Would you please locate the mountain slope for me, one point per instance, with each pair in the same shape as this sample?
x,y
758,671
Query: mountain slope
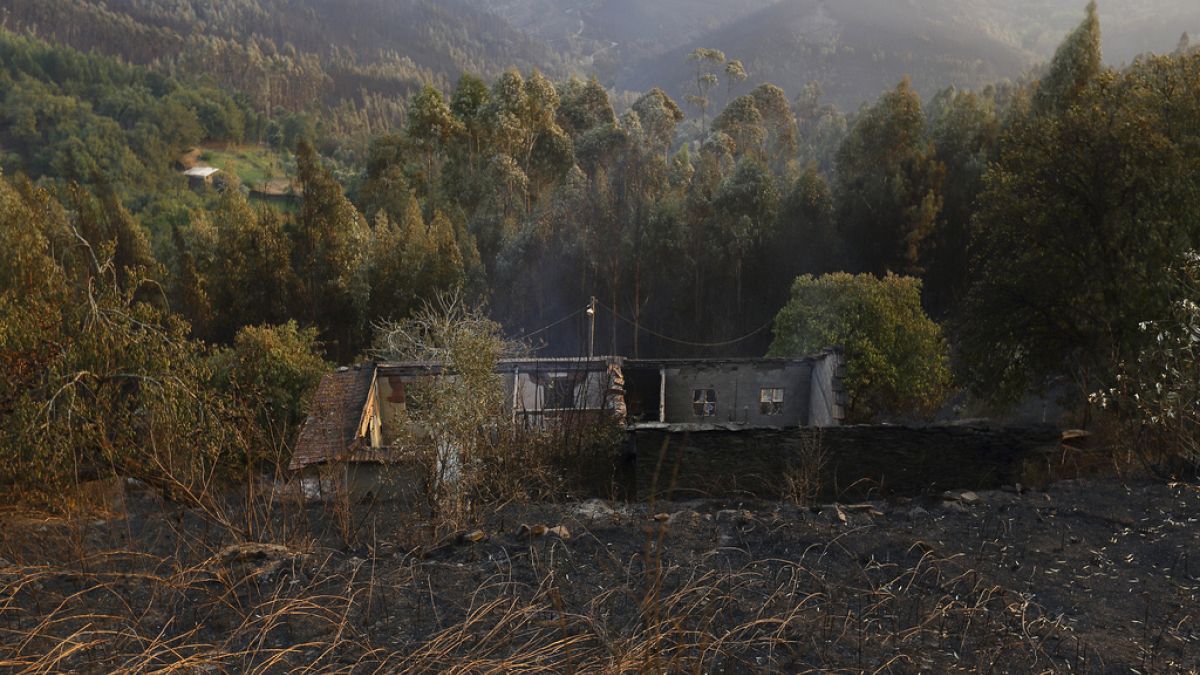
x,y
857,48
853,48
325,48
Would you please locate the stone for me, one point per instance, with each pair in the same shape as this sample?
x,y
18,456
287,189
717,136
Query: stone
x,y
957,507
475,537
917,513
595,509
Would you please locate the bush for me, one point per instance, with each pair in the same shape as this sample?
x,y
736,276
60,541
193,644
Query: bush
x,y
1157,397
271,371
896,357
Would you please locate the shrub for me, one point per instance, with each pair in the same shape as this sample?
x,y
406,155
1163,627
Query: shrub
x,y
1158,395
896,357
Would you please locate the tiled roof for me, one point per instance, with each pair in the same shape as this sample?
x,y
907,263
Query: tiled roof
x,y
332,423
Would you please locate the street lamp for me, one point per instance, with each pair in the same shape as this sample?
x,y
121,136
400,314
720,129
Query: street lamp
x,y
591,312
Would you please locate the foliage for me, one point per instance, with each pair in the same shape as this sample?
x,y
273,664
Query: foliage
x,y
458,416
1090,199
889,185
102,381
1159,391
897,361
272,370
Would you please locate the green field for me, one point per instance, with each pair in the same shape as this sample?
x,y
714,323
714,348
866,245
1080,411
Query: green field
x,y
252,164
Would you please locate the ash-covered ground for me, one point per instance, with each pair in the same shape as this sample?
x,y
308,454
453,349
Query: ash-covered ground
x,y
1089,576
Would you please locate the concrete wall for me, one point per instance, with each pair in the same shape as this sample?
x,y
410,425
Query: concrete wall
x,y
588,388
737,387
825,394
857,461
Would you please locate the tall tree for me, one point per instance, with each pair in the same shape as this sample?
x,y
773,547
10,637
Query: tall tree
x,y
1092,196
705,61
331,248
889,185
964,130
1076,64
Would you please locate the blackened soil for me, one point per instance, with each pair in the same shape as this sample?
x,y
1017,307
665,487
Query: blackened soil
x,y
1090,576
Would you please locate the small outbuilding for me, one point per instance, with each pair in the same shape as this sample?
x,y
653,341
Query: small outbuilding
x,y
201,176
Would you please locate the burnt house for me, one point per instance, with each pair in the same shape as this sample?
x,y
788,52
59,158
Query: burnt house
x,y
735,393
359,415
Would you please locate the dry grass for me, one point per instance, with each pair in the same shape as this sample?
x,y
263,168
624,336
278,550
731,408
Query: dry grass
x,y
255,583
297,606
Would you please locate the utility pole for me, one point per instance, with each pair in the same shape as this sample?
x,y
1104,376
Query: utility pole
x,y
591,312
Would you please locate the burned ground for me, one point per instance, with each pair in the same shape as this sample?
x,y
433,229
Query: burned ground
x,y
1092,576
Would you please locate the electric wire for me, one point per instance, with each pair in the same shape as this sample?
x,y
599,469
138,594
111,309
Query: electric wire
x,y
561,321
688,343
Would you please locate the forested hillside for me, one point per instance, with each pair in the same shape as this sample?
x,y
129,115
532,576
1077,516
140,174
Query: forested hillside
x,y
354,61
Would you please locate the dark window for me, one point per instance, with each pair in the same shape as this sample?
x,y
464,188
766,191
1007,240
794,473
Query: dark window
x,y
704,402
558,394
770,401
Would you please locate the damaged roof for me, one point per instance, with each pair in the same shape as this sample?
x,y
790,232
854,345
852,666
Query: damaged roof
x,y
337,409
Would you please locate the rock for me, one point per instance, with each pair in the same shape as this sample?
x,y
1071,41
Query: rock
x,y
917,513
261,561
964,496
688,516
956,506
531,530
739,516
868,509
475,537
594,509
662,517
559,531
841,515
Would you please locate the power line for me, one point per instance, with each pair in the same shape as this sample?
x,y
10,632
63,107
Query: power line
x,y
688,343
561,321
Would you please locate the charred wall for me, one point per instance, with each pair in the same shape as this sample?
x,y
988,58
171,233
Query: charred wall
x,y
856,462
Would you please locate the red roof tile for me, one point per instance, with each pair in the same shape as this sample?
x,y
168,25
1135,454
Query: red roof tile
x,y
332,424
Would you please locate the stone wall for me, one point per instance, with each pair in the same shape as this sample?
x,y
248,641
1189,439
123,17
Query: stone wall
x,y
855,462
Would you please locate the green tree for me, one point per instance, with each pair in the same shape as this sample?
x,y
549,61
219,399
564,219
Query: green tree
x,y
332,243
249,279
897,361
746,204
1076,64
705,61
1082,214
964,130
431,126
272,371
888,185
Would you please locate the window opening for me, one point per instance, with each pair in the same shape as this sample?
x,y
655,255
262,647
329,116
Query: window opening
x,y
770,402
704,402
558,393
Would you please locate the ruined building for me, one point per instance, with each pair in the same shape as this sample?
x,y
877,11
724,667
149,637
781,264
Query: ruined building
x,y
357,413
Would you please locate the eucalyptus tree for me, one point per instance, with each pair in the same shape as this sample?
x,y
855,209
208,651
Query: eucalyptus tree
x,y
1090,200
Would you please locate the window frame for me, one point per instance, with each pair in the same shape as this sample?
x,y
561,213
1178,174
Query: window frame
x,y
771,401
704,402
552,384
